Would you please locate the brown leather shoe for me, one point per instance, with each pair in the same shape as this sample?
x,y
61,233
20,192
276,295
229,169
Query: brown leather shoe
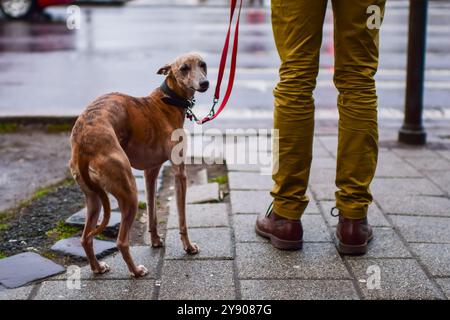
x,y
284,234
353,236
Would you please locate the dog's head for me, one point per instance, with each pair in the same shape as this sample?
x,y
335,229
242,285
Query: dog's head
x,y
188,72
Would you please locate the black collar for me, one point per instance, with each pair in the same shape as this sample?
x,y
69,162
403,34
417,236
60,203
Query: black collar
x,y
172,98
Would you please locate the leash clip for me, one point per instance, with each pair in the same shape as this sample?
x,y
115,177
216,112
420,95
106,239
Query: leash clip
x,y
212,111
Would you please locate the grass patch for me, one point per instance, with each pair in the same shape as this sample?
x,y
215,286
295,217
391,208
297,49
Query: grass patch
x,y
9,214
68,182
5,216
55,128
2,255
142,205
220,179
100,237
62,231
49,255
41,192
8,127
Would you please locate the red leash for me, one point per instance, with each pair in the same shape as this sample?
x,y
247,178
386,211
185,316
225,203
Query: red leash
x,y
223,60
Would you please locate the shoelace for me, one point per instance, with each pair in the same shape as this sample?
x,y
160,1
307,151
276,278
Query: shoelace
x,y
269,209
334,214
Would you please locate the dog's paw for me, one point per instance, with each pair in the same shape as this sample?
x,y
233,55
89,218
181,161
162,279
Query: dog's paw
x,y
192,249
140,271
157,243
102,268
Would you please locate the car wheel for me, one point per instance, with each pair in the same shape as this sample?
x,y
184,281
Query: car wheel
x,y
17,9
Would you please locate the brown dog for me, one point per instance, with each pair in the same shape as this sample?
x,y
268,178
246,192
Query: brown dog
x,y
117,132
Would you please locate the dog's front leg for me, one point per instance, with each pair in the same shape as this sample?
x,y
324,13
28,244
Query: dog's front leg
x,y
180,189
151,176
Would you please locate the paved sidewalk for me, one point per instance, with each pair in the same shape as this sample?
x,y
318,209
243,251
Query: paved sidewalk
x,y
410,251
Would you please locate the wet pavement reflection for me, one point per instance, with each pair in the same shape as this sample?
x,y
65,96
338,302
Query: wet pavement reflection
x,y
47,69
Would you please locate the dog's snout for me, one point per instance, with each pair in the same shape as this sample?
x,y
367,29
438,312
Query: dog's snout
x,y
204,84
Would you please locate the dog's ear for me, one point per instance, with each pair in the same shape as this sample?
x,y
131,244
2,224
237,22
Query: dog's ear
x,y
164,70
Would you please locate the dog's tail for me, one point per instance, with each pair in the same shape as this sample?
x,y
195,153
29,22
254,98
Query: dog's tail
x,y
83,166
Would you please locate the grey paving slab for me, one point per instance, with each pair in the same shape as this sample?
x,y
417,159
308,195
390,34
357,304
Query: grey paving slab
x,y
142,255
201,215
249,181
137,173
374,215
22,268
324,191
319,151
435,163
404,186
21,293
249,201
445,286
415,205
298,290
214,243
435,256
132,289
244,228
385,244
444,153
324,163
203,193
142,197
244,167
399,279
314,229
192,280
322,176
199,177
79,219
423,229
140,183
314,261
329,143
72,247
441,178
258,202
415,152
113,203
390,165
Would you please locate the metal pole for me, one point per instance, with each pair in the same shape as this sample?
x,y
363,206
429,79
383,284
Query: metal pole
x,y
412,131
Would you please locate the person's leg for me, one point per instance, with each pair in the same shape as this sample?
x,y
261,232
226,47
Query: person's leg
x,y
297,27
356,62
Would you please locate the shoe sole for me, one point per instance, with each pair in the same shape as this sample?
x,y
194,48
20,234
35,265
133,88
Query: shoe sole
x,y
353,250
280,243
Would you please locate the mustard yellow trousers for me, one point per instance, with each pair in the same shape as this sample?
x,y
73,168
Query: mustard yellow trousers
x,y
297,27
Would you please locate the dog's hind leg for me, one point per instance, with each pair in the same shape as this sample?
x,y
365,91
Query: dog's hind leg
x,y
180,189
122,186
93,204
151,176
128,206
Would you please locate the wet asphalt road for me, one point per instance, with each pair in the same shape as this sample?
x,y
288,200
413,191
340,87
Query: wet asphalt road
x,y
46,69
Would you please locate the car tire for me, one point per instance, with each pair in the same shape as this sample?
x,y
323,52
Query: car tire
x,y
17,9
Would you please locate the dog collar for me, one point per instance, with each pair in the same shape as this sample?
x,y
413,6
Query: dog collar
x,y
174,99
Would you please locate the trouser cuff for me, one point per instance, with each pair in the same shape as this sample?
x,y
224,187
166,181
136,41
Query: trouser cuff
x,y
289,213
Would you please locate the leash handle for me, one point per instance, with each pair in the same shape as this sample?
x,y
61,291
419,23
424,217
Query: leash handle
x,y
223,60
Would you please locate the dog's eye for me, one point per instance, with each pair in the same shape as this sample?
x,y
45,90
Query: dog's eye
x,y
202,65
184,68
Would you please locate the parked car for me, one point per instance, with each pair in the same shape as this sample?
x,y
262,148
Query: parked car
x,y
20,9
